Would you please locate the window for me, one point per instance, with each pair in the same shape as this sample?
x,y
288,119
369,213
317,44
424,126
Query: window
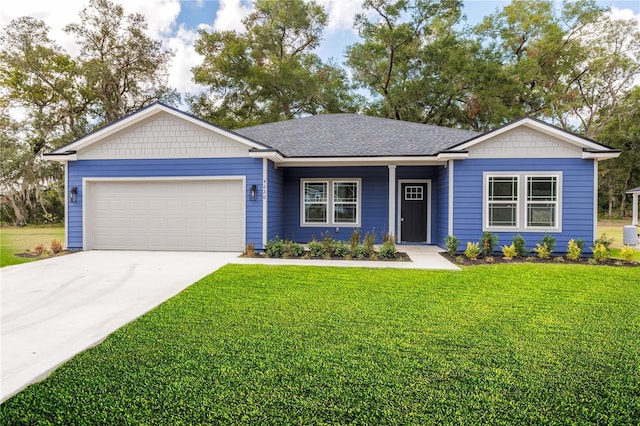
x,y
414,193
522,201
331,202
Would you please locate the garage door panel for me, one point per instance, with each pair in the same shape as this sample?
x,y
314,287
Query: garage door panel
x,y
173,215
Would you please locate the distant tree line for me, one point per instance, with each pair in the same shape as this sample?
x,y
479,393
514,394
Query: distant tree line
x,y
417,60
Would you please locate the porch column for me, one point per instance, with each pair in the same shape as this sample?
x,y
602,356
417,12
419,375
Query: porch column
x,y
392,200
265,207
634,221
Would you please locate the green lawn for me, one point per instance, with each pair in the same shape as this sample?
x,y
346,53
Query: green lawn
x,y
495,344
17,240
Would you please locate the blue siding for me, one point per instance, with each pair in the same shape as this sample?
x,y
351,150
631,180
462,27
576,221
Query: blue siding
x,y
249,167
375,202
442,213
275,187
577,198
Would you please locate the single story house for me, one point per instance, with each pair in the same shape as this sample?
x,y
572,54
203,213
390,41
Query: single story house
x,y
161,179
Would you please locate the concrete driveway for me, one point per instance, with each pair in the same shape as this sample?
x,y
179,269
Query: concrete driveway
x,y
55,308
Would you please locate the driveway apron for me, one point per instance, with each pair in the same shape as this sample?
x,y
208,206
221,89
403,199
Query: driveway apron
x,y
55,308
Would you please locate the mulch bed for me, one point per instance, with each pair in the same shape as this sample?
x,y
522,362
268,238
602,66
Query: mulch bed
x,y
400,257
461,259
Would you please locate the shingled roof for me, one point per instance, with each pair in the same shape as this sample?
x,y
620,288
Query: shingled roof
x,y
353,135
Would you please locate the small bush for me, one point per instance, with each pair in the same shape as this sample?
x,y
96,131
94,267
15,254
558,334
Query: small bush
x,y
542,250
354,240
388,236
452,244
275,247
519,244
316,249
362,251
573,250
341,248
387,250
600,252
56,246
250,250
38,249
604,240
549,241
487,242
472,251
509,252
294,249
627,253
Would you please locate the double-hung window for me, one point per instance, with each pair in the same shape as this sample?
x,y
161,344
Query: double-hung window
x,y
522,201
334,202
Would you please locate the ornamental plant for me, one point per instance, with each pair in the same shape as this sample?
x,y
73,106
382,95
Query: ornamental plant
x,y
627,253
341,248
573,250
518,243
543,251
487,242
387,250
276,247
452,244
600,252
509,252
472,251
316,248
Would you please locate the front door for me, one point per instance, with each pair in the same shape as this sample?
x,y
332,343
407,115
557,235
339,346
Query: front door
x,y
413,212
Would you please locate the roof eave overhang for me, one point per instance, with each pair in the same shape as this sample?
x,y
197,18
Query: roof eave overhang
x,y
600,154
61,157
426,160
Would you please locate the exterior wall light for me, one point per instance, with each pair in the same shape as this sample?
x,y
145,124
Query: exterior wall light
x,y
73,194
253,192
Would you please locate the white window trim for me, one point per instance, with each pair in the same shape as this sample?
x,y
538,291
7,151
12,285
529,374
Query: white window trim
x,y
522,203
330,203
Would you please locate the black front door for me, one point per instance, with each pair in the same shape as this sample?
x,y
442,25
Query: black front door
x,y
413,212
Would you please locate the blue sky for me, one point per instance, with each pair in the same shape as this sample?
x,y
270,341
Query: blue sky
x,y
176,23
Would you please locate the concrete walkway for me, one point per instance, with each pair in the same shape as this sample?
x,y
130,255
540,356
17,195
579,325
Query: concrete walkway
x,y
55,308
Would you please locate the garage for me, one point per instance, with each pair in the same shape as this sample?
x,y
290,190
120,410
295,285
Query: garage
x,y
204,214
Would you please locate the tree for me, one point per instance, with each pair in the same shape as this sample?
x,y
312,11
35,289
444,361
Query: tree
x,y
123,68
409,57
39,84
269,72
621,130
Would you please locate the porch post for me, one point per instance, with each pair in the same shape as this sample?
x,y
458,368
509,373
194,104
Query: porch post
x,y
265,201
392,200
635,209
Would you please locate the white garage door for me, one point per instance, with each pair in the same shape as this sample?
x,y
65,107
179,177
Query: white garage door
x,y
205,215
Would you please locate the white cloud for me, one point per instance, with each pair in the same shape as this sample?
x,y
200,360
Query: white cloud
x,y
230,14
180,76
341,13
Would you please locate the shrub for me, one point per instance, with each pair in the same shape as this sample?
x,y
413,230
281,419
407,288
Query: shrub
x,y
294,249
354,240
38,249
518,243
600,252
362,251
574,250
604,240
472,251
275,247
369,240
388,236
316,249
452,244
341,248
250,250
487,242
549,241
627,253
56,246
327,244
387,250
509,252
543,251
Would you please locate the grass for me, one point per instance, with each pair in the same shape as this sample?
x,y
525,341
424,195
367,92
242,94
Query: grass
x,y
495,344
18,240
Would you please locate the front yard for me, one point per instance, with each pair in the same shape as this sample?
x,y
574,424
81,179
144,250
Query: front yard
x,y
495,344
